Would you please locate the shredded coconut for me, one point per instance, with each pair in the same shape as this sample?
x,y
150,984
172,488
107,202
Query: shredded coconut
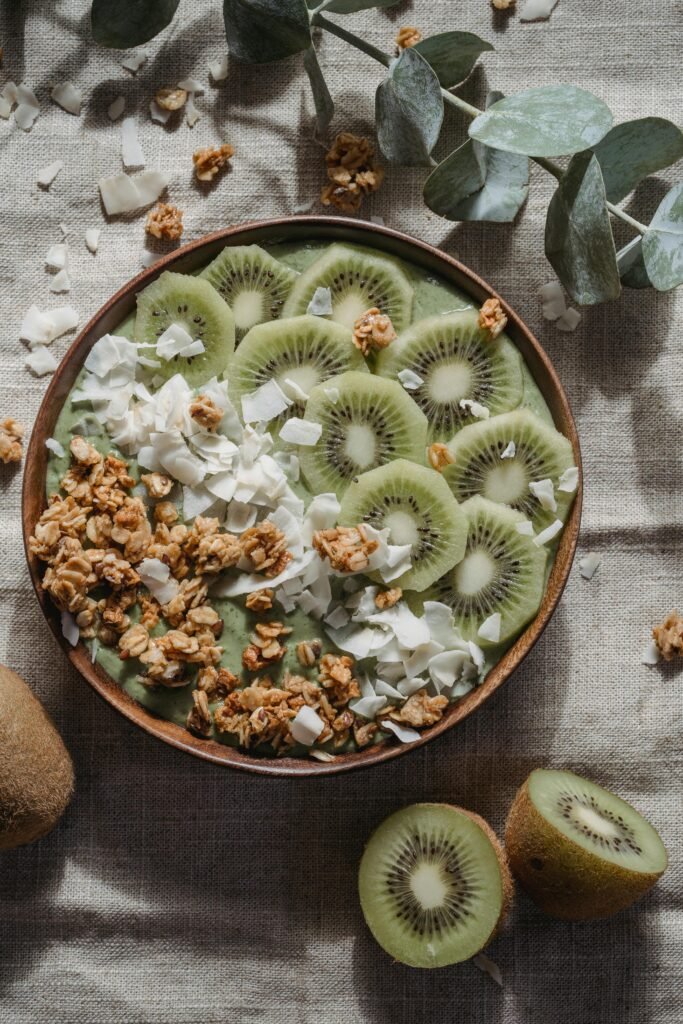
x,y
548,534
70,630
537,10
526,528
69,97
158,113
61,282
588,565
490,628
218,69
569,480
298,431
53,445
510,451
115,109
321,303
131,150
121,194
404,734
56,256
41,361
476,408
650,653
481,960
48,174
265,403
306,726
409,379
92,239
545,492
569,320
135,61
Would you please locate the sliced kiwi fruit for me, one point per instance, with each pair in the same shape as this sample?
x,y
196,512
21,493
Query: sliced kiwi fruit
x,y
541,453
418,507
578,850
434,885
305,350
197,307
253,283
358,280
456,360
502,571
366,422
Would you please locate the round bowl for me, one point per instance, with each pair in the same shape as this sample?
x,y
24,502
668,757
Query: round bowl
x,y
188,258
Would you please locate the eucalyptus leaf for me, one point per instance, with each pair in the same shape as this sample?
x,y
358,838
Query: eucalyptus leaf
x,y
578,236
409,110
452,55
123,23
353,6
635,149
261,31
324,104
552,120
632,266
663,242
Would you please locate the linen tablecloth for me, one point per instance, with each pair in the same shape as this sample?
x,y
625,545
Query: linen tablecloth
x,y
175,892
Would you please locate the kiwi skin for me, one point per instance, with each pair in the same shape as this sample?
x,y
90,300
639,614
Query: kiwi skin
x,y
36,771
562,878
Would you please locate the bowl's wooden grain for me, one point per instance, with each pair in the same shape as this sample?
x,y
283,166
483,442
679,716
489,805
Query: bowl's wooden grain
x,y
186,259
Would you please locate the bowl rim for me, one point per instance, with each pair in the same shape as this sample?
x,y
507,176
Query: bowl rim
x,y
296,228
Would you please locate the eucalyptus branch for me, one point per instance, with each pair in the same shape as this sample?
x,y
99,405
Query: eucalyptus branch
x,y
320,21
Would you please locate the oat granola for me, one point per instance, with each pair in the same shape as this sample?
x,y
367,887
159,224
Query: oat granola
x,y
353,172
199,718
420,710
492,318
669,636
205,412
265,547
169,98
348,548
388,598
11,434
165,222
408,36
260,600
373,331
440,456
210,160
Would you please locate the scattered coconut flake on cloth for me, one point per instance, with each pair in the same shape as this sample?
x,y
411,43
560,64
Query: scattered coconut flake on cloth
x,y
131,150
158,113
321,303
116,108
27,108
69,97
92,239
53,445
192,115
57,255
135,61
298,431
121,194
488,967
650,653
41,361
552,299
588,565
42,328
61,282
409,379
48,174
537,10
569,320
476,408
218,69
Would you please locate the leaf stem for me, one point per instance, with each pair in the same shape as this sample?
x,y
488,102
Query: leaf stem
x,y
348,37
616,212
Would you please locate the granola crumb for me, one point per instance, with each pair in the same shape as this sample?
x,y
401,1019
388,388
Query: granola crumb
x,y
388,598
347,548
353,172
133,642
169,98
669,636
308,652
420,710
210,160
11,433
373,330
408,36
165,222
157,485
503,5
265,546
217,683
265,647
199,718
336,676
440,456
492,318
260,600
205,412
165,513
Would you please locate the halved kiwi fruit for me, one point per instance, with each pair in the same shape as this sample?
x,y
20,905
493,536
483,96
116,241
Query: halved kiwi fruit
x,y
456,359
253,283
198,308
305,350
578,850
434,885
358,279
366,422
541,452
418,508
501,571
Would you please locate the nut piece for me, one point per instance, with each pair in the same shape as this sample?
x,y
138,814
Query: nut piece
x,y
353,171
199,718
209,161
420,709
171,99
348,548
388,598
205,412
11,433
669,636
492,317
440,456
373,330
260,600
408,36
265,545
165,221
308,652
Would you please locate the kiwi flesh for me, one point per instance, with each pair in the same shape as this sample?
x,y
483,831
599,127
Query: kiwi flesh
x,y
305,350
434,885
36,772
197,307
366,422
358,280
253,283
456,360
541,453
418,508
578,850
501,571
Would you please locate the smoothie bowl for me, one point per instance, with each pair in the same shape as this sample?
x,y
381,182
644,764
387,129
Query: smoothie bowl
x,y
301,496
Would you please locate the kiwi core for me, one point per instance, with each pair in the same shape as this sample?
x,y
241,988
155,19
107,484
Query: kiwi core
x,y
304,376
506,484
247,308
476,571
450,382
348,308
428,885
361,446
402,527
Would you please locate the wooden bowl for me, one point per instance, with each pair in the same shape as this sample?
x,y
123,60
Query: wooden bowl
x,y
188,258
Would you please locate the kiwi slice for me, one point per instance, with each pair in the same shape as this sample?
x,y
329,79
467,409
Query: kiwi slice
x,y
455,360
434,885
541,453
253,283
419,509
502,571
579,850
198,308
366,422
305,350
358,279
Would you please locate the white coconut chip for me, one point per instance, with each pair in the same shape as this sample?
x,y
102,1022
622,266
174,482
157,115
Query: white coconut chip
x,y
588,565
48,174
306,726
94,650
384,689
190,84
400,731
321,303
526,528
510,451
53,445
131,151
407,687
156,576
56,256
298,431
293,391
409,379
148,259
61,282
488,967
553,301
41,361
5,108
70,630
158,113
569,480
121,194
265,403
446,667
569,320
322,755
27,109
69,97
218,69
490,628
175,341
135,61
192,115
545,492
36,327
548,534
477,654
115,109
338,617
92,239
240,517
537,10
475,408
650,654
368,707
376,219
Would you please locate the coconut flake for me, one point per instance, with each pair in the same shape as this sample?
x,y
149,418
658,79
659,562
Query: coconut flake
x,y
70,630
333,394
526,528
218,69
135,61
41,361
115,109
588,565
569,480
321,303
191,85
306,726
475,408
485,964
368,707
545,492
94,650
477,654
37,327
552,298
92,239
56,256
28,106
158,113
404,735
322,755
48,174
298,431
61,282
192,115
569,320
447,666
338,617
5,108
69,97
650,653
156,576
537,10
53,445
131,150
293,391
548,534
265,403
490,628
409,379
384,689
376,219
175,341
121,194
510,451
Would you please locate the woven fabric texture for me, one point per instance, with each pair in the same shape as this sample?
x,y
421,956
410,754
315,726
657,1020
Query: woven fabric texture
x,y
174,892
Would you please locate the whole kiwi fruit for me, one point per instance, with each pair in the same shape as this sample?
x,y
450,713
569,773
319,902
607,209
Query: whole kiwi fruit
x,y
36,771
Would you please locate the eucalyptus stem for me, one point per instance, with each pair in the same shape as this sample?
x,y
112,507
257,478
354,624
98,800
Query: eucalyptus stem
x,y
348,37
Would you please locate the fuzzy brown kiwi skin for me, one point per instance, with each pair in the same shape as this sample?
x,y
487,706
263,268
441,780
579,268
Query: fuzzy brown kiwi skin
x,y
36,771
562,878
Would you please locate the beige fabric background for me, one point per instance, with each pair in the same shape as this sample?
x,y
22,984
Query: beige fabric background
x,y
177,892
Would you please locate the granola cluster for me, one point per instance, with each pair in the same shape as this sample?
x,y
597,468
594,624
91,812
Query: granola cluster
x,y
440,456
165,222
265,547
348,548
265,647
205,412
408,36
373,330
210,160
419,710
492,318
669,636
11,433
353,172
388,598
169,98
